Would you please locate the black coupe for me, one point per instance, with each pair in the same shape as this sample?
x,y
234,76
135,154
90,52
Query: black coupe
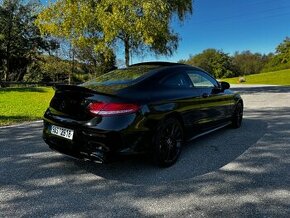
x,y
147,107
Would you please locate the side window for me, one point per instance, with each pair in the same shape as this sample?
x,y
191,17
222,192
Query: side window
x,y
201,80
176,80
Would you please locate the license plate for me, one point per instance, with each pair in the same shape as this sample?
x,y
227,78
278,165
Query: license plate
x,y
62,132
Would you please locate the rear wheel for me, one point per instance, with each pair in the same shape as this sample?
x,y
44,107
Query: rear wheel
x,y
237,116
168,142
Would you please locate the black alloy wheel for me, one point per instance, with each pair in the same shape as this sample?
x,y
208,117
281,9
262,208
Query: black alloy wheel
x,y
237,116
168,142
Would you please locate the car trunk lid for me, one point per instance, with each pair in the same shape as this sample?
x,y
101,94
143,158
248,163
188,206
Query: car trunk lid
x,y
72,101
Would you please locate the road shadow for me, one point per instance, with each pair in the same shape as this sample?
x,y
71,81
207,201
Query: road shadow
x,y
200,156
230,173
264,89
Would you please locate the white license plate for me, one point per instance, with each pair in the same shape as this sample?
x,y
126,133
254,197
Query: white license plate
x,y
62,132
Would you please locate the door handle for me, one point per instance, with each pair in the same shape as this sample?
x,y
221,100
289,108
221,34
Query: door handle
x,y
205,95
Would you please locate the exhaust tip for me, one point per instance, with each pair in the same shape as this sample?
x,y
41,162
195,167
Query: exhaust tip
x,y
97,157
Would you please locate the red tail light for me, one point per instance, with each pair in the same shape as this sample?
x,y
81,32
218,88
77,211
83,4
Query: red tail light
x,y
107,109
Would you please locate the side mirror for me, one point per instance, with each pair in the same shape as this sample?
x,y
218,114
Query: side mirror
x,y
224,85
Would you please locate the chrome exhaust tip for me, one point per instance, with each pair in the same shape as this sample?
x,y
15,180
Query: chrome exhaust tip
x,y
97,157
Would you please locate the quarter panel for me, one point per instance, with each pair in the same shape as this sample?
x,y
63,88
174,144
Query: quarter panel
x,y
185,102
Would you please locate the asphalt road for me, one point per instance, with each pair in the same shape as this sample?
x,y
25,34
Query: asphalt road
x,y
231,173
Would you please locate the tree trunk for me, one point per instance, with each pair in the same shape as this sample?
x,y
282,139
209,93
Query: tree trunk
x,y
73,65
127,51
21,74
6,71
8,46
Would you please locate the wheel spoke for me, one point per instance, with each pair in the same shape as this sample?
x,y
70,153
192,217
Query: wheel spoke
x,y
174,128
178,144
168,154
167,130
177,134
170,141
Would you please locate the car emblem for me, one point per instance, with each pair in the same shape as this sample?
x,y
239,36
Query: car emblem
x,y
83,103
62,105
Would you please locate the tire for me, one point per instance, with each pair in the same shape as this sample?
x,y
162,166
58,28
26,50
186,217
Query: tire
x,y
168,142
237,116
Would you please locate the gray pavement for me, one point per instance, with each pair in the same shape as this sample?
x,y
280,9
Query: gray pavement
x,y
231,173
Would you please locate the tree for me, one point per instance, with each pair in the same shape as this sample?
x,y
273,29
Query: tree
x,y
247,62
20,39
281,59
214,61
283,51
97,62
137,26
51,68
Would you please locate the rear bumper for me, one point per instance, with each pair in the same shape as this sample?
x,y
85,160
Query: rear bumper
x,y
96,144
86,144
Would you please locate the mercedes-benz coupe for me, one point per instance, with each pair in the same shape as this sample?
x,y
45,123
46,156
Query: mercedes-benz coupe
x,y
149,107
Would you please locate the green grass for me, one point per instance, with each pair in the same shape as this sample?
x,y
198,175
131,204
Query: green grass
x,y
281,77
23,104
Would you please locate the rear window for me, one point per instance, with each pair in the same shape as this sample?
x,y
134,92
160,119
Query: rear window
x,y
122,76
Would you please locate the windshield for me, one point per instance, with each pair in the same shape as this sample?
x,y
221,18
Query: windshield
x,y
122,76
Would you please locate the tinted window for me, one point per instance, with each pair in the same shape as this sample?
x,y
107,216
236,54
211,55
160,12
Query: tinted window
x,y
201,80
177,80
122,76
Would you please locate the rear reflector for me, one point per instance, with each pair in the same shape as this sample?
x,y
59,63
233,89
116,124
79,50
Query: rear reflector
x,y
107,109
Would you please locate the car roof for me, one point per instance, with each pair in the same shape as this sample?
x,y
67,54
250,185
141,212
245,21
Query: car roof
x,y
158,67
157,64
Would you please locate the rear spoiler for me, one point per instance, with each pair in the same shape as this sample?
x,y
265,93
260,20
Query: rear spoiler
x,y
71,88
79,89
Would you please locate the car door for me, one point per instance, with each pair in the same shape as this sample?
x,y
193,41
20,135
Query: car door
x,y
175,95
214,103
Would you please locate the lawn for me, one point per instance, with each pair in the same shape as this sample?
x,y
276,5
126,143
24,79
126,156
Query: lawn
x,y
23,104
281,77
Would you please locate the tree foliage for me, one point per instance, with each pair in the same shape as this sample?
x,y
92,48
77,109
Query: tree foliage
x,y
281,59
20,39
103,24
214,61
97,63
246,62
50,68
283,51
242,63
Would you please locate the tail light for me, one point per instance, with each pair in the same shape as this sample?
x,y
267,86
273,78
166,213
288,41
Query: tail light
x,y
108,109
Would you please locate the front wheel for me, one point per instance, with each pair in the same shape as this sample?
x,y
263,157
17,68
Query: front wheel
x,y
168,142
237,116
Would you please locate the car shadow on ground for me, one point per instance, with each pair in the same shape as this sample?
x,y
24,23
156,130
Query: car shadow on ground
x,y
199,156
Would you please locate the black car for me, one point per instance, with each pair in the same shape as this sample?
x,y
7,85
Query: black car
x,y
148,107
